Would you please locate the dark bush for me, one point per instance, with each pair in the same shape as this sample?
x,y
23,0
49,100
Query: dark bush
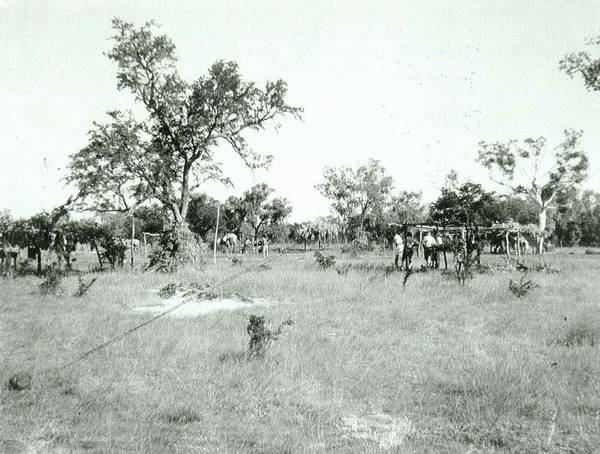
x,y
324,261
260,334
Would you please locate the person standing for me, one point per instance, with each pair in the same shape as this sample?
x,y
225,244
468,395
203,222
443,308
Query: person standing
x,y
428,249
398,249
265,246
439,244
408,251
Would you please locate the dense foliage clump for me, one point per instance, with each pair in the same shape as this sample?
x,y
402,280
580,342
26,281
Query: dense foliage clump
x,y
260,334
52,282
324,261
177,247
83,287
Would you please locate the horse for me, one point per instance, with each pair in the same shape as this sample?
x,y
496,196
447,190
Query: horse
x,y
229,242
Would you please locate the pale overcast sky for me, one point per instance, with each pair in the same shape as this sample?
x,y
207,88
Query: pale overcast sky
x,y
415,84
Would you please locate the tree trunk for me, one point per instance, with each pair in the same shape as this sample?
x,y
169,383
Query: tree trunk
x,y
98,255
38,254
185,191
216,235
542,219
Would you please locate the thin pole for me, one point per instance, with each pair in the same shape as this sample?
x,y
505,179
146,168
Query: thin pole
x,y
216,232
132,236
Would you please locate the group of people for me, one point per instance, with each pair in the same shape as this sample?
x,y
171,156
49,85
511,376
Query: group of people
x,y
404,250
262,244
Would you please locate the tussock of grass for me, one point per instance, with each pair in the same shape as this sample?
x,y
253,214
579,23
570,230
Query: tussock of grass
x,y
579,334
181,415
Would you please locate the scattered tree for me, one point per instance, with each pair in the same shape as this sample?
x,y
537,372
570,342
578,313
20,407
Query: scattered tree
x,y
526,168
468,204
255,209
584,64
407,207
357,194
169,154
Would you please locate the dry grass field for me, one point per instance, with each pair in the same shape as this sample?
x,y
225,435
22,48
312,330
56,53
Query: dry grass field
x,y
367,366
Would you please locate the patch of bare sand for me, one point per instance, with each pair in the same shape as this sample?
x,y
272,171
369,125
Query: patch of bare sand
x,y
196,306
385,430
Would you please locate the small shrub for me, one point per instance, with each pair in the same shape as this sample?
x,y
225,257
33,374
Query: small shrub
x,y
523,287
580,334
260,334
351,250
167,291
545,268
465,258
20,381
6,271
52,282
324,261
343,270
83,287
182,415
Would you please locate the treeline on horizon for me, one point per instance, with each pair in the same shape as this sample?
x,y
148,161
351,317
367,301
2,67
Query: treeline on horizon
x,y
366,212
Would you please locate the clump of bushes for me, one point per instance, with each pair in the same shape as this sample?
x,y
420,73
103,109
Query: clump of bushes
x,y
168,290
545,268
261,336
114,251
343,270
580,334
83,286
324,261
177,247
52,282
523,287
195,289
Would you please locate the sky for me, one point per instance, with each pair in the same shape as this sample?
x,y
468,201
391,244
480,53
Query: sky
x,y
415,84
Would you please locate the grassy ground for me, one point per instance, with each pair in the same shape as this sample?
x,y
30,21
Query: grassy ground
x,y
368,366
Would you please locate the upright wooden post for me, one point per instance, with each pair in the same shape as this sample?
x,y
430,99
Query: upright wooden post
x,y
216,233
132,235
444,244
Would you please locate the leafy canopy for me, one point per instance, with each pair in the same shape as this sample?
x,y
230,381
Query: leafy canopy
x,y
357,193
172,151
583,63
467,204
526,167
255,209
